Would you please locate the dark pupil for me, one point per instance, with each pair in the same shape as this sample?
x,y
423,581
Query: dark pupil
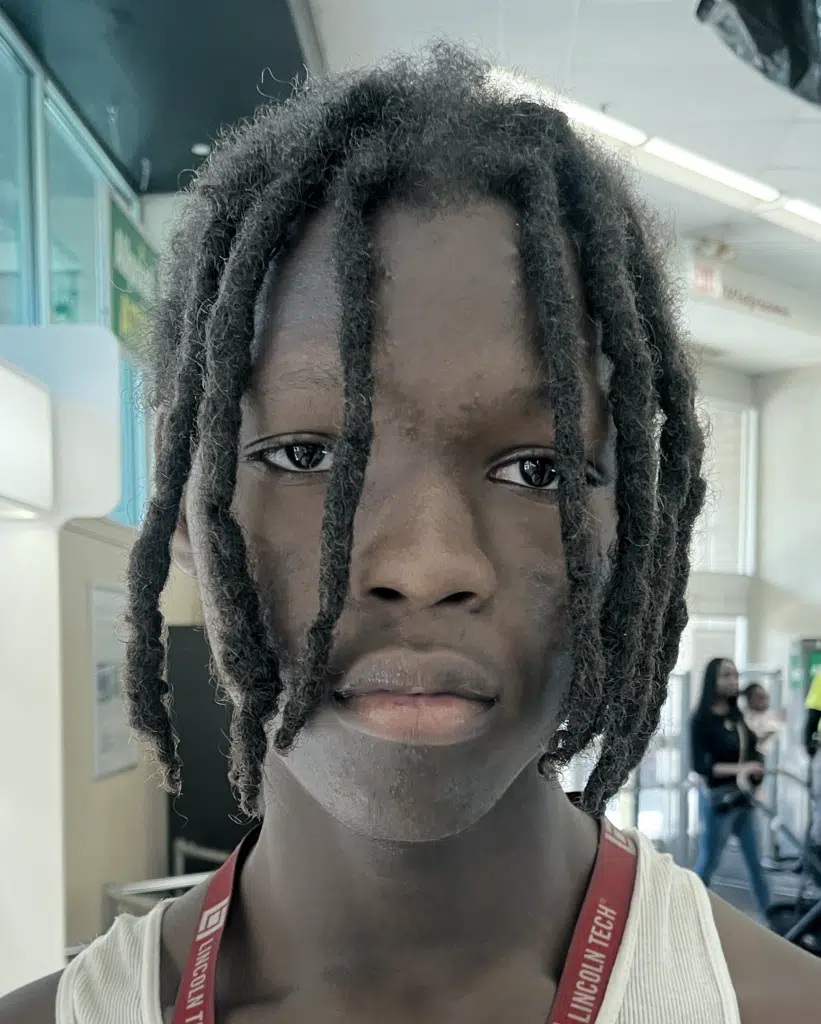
x,y
305,456
537,472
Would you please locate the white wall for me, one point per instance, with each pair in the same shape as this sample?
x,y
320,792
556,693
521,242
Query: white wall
x,y
115,828
63,834
725,384
786,595
32,933
709,593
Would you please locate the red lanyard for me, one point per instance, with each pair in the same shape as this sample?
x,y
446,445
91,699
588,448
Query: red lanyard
x,y
599,930
590,961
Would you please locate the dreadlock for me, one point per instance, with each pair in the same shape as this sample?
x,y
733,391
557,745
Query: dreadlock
x,y
436,131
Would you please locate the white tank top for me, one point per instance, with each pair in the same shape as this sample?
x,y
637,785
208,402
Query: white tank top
x,y
670,967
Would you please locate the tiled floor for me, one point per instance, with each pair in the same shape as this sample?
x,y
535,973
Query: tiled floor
x,y
732,886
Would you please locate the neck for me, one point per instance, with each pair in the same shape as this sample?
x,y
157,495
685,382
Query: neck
x,y
511,884
721,706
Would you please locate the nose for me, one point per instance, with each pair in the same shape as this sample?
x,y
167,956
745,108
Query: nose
x,y
420,549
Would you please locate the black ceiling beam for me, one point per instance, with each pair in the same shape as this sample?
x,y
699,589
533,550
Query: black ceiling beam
x,y
151,79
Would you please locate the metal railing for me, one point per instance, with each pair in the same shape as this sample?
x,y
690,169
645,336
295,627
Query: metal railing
x,y
140,897
185,848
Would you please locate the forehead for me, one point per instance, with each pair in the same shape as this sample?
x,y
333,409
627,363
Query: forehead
x,y
452,311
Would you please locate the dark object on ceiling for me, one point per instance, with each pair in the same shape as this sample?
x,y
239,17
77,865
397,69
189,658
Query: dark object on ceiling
x,y
779,38
151,78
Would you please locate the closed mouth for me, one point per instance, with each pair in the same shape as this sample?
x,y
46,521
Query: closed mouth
x,y
413,697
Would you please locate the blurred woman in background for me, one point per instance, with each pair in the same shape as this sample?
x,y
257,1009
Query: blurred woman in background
x,y
726,756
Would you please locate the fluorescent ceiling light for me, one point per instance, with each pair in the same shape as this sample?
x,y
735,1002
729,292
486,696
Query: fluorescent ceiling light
x,y
665,160
800,208
795,215
715,172
601,123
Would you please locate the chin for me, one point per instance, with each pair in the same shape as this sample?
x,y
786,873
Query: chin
x,y
403,792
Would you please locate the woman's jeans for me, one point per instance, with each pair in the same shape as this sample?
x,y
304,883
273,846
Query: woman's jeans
x,y
815,829
717,829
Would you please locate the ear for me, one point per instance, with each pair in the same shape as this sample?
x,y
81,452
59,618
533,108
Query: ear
x,y
182,550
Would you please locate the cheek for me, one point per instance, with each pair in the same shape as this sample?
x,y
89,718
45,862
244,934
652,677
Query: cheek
x,y
530,606
282,528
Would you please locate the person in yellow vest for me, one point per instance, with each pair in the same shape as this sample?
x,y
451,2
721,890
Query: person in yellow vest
x,y
812,741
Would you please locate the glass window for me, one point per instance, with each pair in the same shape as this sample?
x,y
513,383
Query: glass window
x,y
78,193
73,227
134,449
15,263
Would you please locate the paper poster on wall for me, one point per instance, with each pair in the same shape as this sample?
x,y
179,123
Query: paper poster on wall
x,y
114,748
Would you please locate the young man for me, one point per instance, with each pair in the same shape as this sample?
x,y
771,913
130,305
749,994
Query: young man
x,y
427,439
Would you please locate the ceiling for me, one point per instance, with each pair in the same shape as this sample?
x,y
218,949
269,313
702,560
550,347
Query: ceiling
x,y
151,83
749,343
152,78
649,63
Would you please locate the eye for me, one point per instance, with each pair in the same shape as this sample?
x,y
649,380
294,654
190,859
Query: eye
x,y
535,472
298,457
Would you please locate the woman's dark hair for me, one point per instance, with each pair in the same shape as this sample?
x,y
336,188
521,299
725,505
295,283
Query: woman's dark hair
x,y
709,691
435,131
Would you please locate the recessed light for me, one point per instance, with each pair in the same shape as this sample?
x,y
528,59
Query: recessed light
x,y
201,149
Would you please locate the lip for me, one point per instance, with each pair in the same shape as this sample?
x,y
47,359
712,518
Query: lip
x,y
415,697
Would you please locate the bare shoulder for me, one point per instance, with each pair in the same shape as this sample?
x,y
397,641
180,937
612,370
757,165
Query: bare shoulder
x,y
34,1004
773,979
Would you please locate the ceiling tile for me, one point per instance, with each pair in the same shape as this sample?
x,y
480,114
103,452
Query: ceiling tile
x,y
657,68
746,149
801,147
802,182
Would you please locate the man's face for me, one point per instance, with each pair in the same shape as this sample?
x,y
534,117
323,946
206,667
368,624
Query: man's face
x,y
452,655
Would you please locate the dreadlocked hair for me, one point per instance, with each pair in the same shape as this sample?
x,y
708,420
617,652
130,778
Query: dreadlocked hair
x,y
437,130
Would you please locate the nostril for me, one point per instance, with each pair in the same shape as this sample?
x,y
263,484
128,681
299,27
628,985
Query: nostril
x,y
386,594
460,597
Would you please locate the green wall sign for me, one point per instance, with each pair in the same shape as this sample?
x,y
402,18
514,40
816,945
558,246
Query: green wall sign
x,y
133,277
